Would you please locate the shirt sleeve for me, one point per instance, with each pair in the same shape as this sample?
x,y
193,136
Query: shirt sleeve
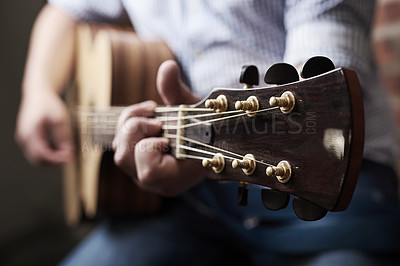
x,y
341,30
338,29
109,11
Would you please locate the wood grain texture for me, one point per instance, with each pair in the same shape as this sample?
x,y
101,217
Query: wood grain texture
x,y
322,138
113,67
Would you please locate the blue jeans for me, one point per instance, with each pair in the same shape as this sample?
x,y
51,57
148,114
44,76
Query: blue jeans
x,y
190,232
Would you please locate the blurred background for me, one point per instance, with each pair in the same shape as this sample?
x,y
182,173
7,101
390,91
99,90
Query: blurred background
x,y
32,227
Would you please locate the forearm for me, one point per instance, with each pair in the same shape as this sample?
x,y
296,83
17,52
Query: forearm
x,y
51,52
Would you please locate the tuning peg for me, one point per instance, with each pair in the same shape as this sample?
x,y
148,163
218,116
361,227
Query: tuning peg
x,y
248,164
249,76
242,194
316,65
250,106
219,105
308,211
282,172
274,200
285,102
217,163
281,73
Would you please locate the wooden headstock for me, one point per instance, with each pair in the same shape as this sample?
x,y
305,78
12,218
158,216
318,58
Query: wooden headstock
x,y
308,143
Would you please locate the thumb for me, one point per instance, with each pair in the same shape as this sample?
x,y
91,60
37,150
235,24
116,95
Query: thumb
x,y
170,86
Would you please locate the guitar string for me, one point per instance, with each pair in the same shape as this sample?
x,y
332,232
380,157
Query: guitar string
x,y
214,120
113,123
165,109
168,119
193,157
158,109
202,151
160,118
208,121
202,144
211,153
175,118
209,146
110,112
203,122
171,136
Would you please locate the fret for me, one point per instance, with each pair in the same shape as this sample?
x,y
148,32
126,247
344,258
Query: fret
x,y
98,124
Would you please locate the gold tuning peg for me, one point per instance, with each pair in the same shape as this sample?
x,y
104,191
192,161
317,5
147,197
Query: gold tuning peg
x,y
217,163
285,102
282,171
219,105
250,105
248,164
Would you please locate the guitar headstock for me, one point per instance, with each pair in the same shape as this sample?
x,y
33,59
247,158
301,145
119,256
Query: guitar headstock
x,y
303,138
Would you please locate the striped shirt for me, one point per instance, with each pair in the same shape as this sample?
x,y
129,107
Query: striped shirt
x,y
212,39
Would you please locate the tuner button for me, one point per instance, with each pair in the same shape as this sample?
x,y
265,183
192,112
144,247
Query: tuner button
x,y
250,105
285,102
242,194
248,164
219,105
217,163
249,76
282,172
281,73
315,66
274,200
308,211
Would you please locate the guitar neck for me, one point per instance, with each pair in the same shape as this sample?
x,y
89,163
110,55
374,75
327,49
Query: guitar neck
x,y
98,125
309,146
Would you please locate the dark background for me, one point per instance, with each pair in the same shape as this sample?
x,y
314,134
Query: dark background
x,y
32,228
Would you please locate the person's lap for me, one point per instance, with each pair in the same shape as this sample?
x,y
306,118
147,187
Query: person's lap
x,y
178,236
366,234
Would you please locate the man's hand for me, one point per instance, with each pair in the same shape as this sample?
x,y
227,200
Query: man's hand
x,y
138,150
43,120
43,130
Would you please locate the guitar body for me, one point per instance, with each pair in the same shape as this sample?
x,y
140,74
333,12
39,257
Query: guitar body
x,y
113,67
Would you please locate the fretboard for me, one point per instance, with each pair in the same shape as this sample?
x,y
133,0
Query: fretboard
x,y
97,125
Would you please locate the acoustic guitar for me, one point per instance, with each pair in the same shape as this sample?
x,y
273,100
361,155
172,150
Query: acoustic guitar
x,y
297,137
113,67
